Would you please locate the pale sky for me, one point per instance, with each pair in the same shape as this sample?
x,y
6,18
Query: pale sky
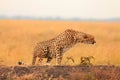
x,y
98,9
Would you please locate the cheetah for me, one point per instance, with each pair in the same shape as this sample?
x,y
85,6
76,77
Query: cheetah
x,y
56,47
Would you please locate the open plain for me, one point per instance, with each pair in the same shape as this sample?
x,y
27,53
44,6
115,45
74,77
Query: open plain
x,y
18,38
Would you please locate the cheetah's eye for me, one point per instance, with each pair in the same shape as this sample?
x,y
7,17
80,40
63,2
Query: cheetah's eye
x,y
85,36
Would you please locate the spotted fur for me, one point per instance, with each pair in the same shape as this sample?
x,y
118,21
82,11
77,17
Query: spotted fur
x,y
55,48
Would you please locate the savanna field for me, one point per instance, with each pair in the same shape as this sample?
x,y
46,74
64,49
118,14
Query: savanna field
x,y
19,37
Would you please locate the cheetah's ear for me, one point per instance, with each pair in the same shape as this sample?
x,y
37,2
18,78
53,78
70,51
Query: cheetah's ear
x,y
68,30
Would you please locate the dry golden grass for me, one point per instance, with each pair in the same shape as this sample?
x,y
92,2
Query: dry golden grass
x,y
18,38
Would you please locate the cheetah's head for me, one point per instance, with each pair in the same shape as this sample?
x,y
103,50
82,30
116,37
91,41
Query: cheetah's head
x,y
84,38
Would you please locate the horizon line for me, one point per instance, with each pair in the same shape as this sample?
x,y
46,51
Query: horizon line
x,y
57,18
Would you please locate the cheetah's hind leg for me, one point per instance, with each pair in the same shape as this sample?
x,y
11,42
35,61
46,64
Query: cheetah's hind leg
x,y
40,61
34,60
48,61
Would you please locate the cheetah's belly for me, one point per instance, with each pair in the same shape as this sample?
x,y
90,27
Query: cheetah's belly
x,y
66,48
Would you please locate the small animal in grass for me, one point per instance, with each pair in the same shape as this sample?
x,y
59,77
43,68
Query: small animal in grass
x,y
70,59
20,63
86,60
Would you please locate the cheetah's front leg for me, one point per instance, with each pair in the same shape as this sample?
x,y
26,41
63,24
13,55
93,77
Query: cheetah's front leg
x,y
58,59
